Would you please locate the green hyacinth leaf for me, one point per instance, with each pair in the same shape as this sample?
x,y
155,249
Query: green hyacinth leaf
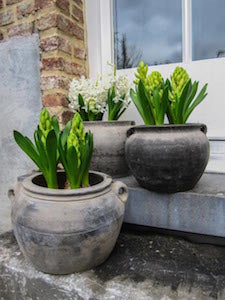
x,y
65,133
182,99
143,104
55,125
25,144
41,149
164,104
194,88
51,148
197,101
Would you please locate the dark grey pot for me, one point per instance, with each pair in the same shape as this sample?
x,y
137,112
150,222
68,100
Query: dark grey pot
x,y
109,146
167,158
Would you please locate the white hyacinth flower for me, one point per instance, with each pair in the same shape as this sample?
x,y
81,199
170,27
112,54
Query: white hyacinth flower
x,y
95,92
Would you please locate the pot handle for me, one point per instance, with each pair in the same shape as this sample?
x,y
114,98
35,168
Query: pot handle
x,y
203,128
121,190
11,194
12,191
130,131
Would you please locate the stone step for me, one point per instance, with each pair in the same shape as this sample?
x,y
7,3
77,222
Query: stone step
x,y
199,211
143,266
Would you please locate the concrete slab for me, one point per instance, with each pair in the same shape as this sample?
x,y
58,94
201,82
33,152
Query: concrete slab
x,y
142,266
20,106
199,211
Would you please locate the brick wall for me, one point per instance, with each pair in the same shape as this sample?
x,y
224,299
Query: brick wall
x,y
61,27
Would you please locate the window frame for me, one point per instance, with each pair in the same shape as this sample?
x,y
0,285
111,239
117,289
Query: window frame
x,y
99,15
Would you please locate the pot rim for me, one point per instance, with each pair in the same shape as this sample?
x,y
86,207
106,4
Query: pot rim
x,y
110,123
29,186
144,128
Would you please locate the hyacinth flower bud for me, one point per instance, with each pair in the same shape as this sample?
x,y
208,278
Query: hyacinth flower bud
x,y
45,124
78,128
155,80
179,79
141,74
72,141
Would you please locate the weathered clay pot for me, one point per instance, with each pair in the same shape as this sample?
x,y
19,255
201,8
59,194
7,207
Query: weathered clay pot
x,y
168,158
65,231
109,146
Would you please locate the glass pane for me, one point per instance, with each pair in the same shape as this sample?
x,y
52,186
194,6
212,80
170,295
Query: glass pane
x,y
150,30
208,25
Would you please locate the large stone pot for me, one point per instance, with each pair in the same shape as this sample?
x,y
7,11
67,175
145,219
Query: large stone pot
x,y
109,146
167,158
65,231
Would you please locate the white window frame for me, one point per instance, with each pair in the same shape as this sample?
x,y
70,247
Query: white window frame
x,y
99,16
100,33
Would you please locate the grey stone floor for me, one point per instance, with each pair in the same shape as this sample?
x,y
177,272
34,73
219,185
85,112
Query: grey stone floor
x,y
5,222
142,266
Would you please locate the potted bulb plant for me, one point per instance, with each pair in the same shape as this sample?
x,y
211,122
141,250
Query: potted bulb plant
x,y
93,99
65,220
167,157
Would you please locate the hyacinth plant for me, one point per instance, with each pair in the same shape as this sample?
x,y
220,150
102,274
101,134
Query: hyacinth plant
x,y
44,151
182,93
155,98
151,96
92,98
72,146
76,153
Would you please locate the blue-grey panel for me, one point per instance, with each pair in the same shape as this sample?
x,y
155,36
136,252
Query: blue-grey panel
x,y
20,104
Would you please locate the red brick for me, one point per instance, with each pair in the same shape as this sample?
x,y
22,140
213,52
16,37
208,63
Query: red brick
x,y
53,64
54,82
74,69
63,82
64,5
64,45
49,44
57,99
6,18
79,53
25,9
1,35
10,2
55,43
67,116
20,30
70,27
39,4
77,14
47,21
60,64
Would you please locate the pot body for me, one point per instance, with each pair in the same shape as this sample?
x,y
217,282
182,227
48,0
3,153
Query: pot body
x,y
168,158
66,231
109,146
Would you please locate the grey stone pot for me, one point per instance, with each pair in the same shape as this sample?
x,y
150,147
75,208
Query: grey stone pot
x,y
66,231
109,146
167,158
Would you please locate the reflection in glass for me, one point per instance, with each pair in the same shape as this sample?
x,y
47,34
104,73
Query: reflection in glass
x,y
208,26
150,30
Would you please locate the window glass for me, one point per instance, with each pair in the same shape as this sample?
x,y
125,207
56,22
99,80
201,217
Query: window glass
x,y
150,30
208,27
